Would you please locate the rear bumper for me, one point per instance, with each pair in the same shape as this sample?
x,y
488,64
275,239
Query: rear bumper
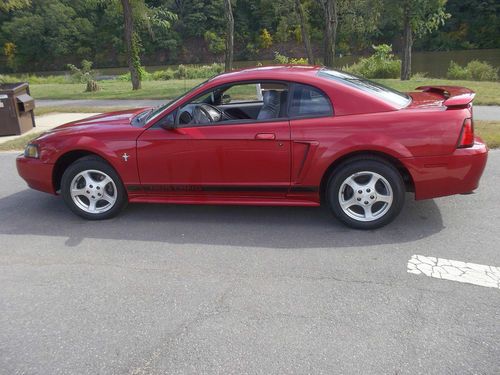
x,y
38,175
457,173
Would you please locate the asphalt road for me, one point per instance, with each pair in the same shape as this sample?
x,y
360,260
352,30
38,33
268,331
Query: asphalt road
x,y
235,290
481,112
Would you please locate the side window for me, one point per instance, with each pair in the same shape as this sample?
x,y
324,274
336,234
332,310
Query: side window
x,y
309,101
241,102
242,93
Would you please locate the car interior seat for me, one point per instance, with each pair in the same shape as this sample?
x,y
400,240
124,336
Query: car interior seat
x,y
271,107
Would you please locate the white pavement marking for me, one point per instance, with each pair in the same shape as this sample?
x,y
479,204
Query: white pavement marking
x,y
446,269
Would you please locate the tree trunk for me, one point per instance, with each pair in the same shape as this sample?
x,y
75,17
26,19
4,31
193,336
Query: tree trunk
x,y
92,86
228,65
407,46
305,31
331,21
132,53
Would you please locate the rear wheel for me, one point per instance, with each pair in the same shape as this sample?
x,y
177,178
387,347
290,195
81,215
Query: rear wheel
x,y
92,189
366,193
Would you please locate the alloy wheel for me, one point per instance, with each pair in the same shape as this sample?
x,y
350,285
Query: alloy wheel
x,y
365,196
93,191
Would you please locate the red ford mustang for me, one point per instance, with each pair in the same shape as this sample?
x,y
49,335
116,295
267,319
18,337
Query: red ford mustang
x,y
281,135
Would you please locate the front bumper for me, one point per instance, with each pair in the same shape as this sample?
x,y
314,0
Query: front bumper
x,y
37,174
458,173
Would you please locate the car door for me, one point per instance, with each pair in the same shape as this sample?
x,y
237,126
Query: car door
x,y
248,158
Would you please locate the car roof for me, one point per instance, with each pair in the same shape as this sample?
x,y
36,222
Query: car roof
x,y
278,72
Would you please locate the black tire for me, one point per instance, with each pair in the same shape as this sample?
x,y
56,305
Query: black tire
x,y
388,211
94,164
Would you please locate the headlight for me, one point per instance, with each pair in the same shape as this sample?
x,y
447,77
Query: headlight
x,y
31,151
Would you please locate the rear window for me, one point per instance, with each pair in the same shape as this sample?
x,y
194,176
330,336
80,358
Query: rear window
x,y
385,93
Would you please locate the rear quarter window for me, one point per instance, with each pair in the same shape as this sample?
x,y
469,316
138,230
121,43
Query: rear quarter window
x,y
308,101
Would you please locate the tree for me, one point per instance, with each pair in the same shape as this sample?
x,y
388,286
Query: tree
x,y
419,17
228,11
331,23
131,45
47,34
474,24
8,5
304,29
359,22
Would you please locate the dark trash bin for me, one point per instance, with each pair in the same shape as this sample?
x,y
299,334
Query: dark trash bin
x,y
16,109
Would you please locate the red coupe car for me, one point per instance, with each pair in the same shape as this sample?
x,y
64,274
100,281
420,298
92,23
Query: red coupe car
x,y
279,135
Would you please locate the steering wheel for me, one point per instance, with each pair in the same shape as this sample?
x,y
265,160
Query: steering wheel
x,y
206,113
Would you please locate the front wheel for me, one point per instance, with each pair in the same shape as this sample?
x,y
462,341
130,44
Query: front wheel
x,y
366,193
92,189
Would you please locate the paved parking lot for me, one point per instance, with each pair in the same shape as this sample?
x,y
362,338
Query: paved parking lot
x,y
220,290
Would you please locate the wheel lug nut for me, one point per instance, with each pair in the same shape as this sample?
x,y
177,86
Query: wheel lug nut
x,y
98,188
359,199
360,191
90,186
368,190
372,197
366,202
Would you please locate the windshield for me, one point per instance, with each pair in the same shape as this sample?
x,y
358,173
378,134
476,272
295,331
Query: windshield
x,y
389,95
149,114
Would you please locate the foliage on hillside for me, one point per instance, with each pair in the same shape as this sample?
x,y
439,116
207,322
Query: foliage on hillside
x,y
49,34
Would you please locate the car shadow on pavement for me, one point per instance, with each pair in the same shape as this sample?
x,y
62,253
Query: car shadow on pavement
x,y
32,213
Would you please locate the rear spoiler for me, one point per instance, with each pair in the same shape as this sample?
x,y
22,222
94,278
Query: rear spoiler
x,y
455,96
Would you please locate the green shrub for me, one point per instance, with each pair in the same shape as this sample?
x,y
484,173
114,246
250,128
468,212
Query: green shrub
x,y
481,71
474,71
123,77
282,59
143,73
456,71
181,72
382,64
84,74
162,75
194,72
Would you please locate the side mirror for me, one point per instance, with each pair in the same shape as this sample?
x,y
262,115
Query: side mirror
x,y
167,125
168,122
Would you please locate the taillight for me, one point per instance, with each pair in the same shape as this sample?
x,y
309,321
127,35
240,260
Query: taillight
x,y
467,135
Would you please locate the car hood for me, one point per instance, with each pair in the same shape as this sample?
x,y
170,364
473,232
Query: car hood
x,y
105,119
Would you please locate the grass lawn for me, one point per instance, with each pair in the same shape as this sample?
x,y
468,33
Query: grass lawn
x,y
488,93
114,90
489,131
74,109
20,143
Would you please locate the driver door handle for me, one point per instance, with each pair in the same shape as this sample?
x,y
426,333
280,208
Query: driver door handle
x,y
266,136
